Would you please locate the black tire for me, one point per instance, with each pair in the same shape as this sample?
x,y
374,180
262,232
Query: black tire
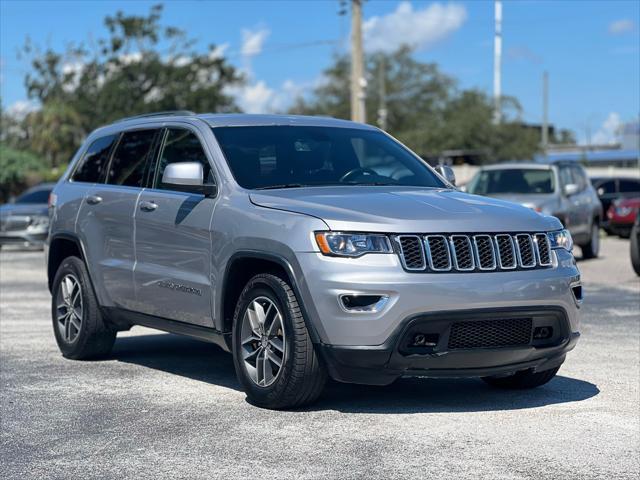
x,y
592,248
635,249
302,376
95,337
522,380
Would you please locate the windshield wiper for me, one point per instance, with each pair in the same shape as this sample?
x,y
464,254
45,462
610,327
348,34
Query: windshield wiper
x,y
284,185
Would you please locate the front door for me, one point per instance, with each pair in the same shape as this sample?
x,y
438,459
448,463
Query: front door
x,y
173,243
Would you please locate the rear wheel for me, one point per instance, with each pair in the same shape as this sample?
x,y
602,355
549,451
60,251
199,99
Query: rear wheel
x,y
80,330
274,357
592,248
522,380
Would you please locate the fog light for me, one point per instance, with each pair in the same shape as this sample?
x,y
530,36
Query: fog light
x,y
542,333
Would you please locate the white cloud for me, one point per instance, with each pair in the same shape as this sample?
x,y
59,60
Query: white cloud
x,y
419,29
21,108
252,41
255,97
621,26
610,130
219,51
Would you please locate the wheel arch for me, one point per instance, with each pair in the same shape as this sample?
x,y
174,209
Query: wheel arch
x,y
241,267
61,246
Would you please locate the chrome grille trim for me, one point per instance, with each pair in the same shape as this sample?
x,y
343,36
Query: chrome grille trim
x,y
455,253
492,265
399,241
525,251
543,249
429,249
502,254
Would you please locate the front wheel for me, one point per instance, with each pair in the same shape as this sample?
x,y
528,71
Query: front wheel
x,y
592,248
635,249
274,358
522,380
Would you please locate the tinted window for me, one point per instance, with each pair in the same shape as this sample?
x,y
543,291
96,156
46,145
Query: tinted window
x,y
38,196
93,166
271,156
628,186
579,177
130,160
512,180
182,146
604,188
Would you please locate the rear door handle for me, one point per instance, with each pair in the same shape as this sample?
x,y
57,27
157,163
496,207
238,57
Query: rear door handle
x,y
148,206
94,199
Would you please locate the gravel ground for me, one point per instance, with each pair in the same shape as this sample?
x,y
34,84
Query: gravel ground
x,y
166,406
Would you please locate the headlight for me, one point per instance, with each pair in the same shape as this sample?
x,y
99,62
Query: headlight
x,y
352,244
39,221
561,239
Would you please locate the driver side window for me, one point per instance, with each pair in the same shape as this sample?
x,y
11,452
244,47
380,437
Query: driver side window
x,y
182,145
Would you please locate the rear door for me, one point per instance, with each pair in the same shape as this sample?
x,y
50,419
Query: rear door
x,y
107,222
172,239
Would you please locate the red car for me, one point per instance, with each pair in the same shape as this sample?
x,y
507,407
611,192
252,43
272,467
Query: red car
x,y
621,215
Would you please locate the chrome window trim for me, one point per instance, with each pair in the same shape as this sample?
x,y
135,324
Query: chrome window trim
x,y
430,258
494,263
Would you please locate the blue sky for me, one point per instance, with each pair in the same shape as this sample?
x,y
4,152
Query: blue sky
x,y
590,48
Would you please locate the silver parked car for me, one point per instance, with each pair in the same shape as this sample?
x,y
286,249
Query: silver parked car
x,y
309,248
25,221
561,189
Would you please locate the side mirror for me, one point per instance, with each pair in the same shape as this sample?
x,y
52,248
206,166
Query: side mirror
x,y
447,173
187,177
571,189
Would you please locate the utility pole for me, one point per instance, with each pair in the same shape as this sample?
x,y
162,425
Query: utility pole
x,y
382,110
545,112
497,63
358,80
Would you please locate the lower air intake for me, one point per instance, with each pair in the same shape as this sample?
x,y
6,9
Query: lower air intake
x,y
490,333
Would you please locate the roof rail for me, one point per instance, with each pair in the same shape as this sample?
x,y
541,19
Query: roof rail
x,y
168,113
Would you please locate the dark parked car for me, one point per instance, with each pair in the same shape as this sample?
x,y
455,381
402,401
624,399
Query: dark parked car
x,y
610,189
622,214
25,221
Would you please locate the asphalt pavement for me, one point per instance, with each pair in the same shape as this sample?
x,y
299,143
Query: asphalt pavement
x,y
164,406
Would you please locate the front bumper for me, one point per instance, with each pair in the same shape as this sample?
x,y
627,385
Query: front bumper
x,y
24,238
382,364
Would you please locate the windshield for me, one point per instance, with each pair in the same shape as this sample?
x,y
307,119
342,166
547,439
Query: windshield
x,y
512,180
263,157
37,196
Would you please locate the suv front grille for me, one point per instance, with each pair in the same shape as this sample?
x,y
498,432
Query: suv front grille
x,y
473,253
491,333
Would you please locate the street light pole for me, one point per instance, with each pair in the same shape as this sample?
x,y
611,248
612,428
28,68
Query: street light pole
x,y
497,63
358,80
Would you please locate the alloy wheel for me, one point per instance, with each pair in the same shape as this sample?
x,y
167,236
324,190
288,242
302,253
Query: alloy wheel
x,y
69,308
262,341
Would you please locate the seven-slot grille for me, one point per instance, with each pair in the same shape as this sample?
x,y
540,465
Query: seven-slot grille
x,y
507,332
467,253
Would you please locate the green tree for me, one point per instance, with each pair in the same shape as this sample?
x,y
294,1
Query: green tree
x,y
425,108
140,67
18,169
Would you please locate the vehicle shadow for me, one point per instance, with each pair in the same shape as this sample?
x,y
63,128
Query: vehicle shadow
x,y
208,363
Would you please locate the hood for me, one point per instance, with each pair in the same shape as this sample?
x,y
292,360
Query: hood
x,y
405,209
29,209
543,201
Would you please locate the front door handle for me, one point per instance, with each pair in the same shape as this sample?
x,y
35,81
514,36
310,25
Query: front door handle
x,y
148,206
94,199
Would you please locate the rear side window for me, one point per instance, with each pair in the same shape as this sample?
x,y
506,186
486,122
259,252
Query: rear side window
x,y
607,187
93,166
131,158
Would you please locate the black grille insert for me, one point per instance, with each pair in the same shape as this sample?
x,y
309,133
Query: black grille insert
x,y
412,253
491,333
542,244
438,253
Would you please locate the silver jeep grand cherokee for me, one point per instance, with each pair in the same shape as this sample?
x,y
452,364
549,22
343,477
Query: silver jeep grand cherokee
x,y
308,247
